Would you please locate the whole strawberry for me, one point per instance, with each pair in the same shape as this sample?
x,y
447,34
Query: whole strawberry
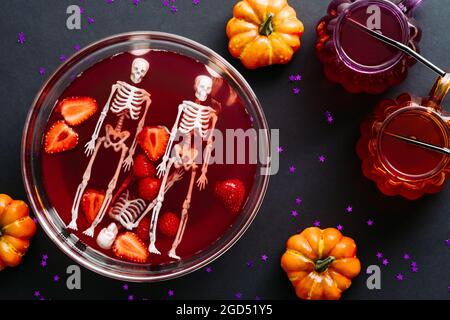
x,y
231,193
143,167
168,224
148,188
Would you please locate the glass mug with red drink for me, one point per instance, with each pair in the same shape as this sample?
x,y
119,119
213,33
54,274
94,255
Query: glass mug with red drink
x,y
356,60
404,146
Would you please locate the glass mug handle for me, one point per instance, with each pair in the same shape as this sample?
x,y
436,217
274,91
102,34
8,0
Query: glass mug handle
x,y
438,92
408,6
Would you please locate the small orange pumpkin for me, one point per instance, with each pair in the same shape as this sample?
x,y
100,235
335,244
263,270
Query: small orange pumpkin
x,y
320,263
264,32
16,229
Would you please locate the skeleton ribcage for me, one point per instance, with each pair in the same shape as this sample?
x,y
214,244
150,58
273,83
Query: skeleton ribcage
x,y
128,98
195,116
127,211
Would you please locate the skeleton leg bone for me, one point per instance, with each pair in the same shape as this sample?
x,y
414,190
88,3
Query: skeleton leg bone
x,y
184,215
157,209
111,186
82,186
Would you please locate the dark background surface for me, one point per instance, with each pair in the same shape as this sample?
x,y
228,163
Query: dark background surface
x,y
418,228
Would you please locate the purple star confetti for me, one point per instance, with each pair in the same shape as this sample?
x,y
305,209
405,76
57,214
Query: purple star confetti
x,y
414,269
447,242
208,269
41,72
340,227
249,264
170,293
45,257
280,149
400,277
136,2
56,278
298,201
82,10
173,9
385,262
322,158
62,58
294,213
37,294
296,90
406,256
43,263
316,223
413,264
291,169
125,287
370,222
109,1
195,2
292,78
298,77
90,20
21,38
130,297
77,47
379,255
238,295
329,116
349,209
264,257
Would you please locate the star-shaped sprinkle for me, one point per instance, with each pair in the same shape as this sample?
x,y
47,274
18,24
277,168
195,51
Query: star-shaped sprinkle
x,y
170,293
400,277
264,257
349,209
370,222
77,47
298,77
90,20
21,38
339,227
195,2
379,255
291,169
82,10
330,119
414,264
173,9
37,294
406,256
322,158
208,269
165,3
292,78
280,149
41,72
125,287
130,297
298,201
45,257
56,278
448,288
294,213
136,2
238,295
62,58
414,269
249,264
296,90
316,223
385,262
43,263
109,1
447,242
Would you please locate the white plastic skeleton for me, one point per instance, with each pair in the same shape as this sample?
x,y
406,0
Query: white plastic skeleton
x,y
129,212
193,119
126,101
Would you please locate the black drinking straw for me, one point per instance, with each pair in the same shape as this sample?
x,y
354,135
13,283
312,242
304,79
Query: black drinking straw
x,y
420,143
400,46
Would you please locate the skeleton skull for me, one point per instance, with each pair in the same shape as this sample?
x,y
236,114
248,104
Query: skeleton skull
x,y
203,87
139,69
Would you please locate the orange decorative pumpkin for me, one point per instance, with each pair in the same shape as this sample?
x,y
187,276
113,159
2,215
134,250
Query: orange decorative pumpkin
x,y
320,263
16,229
264,32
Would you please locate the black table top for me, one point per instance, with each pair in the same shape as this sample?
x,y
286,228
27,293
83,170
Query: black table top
x,y
419,228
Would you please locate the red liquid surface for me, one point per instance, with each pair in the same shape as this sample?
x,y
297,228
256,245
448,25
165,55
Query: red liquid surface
x,y
364,49
407,158
170,80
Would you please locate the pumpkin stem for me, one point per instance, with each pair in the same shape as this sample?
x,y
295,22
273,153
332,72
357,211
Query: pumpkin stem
x,y
323,264
266,27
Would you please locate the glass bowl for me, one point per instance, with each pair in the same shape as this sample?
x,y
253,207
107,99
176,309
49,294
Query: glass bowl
x,y
43,106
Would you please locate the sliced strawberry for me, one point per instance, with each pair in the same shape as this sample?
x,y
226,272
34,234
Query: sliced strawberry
x,y
231,192
91,202
148,188
168,224
143,230
153,140
143,167
60,137
129,247
77,110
